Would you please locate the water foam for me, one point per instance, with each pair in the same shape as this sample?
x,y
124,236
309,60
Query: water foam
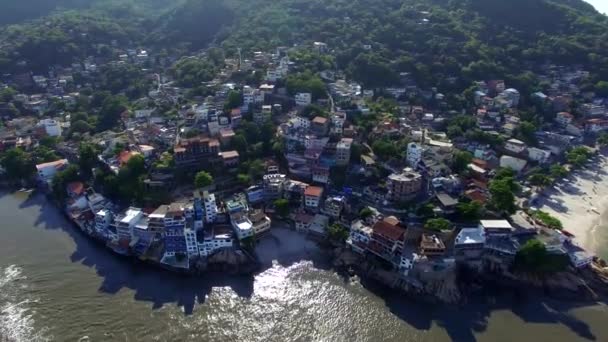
x,y
16,317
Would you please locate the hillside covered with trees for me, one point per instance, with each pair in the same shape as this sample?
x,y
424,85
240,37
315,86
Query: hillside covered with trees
x,y
373,40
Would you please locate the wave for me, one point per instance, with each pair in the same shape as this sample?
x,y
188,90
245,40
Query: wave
x,y
16,316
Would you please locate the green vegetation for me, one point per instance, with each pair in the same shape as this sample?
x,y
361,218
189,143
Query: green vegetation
x,y
306,82
62,179
602,139
128,184
337,233
547,220
438,224
202,179
533,257
540,179
192,72
470,211
557,171
578,156
365,213
385,149
17,164
502,194
282,207
461,160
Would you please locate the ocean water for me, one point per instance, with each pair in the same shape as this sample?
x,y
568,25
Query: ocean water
x,y
57,285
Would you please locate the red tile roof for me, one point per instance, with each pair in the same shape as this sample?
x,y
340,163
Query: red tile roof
x,y
319,120
76,188
125,156
388,230
313,191
476,195
305,218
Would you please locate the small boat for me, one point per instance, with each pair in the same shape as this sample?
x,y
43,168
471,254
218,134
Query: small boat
x,y
594,209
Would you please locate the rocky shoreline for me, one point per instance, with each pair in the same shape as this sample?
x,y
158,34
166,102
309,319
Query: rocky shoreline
x,y
461,286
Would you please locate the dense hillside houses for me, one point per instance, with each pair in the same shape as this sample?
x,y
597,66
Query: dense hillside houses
x,y
175,157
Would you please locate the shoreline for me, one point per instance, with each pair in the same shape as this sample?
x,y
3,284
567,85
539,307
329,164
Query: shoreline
x,y
580,201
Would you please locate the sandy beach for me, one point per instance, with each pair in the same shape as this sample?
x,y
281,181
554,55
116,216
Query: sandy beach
x,y
580,201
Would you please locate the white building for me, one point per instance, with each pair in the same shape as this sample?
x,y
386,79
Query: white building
x,y
103,219
512,96
337,123
215,239
414,154
303,99
515,146
126,222
513,163
360,236
46,171
539,155
319,225
334,206
300,122
51,127
261,222
312,196
210,207
343,151
191,243
243,228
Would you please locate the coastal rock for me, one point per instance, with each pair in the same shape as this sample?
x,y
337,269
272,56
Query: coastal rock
x,y
231,261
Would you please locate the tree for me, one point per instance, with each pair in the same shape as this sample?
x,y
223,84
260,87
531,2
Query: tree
x,y
6,94
470,211
438,224
602,139
502,197
243,179
282,207
87,159
17,164
533,257
548,220
306,82
203,179
111,109
461,160
365,213
426,211
384,149
578,156
540,179
337,233
43,154
234,100
526,132
557,171
601,88
62,179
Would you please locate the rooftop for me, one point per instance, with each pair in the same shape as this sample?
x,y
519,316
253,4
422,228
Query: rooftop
x,y
230,154
468,236
130,215
319,120
431,242
313,191
56,163
388,230
496,224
